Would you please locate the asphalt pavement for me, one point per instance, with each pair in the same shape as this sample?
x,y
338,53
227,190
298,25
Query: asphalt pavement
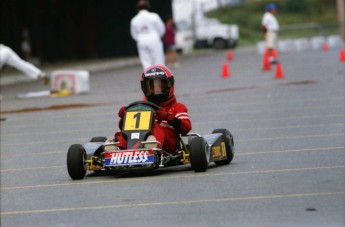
x,y
288,168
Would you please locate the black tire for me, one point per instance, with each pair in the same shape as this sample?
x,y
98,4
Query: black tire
x,y
229,146
99,139
76,158
199,157
233,44
219,44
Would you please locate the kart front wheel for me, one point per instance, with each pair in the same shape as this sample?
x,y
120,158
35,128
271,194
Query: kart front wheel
x,y
198,154
229,146
76,161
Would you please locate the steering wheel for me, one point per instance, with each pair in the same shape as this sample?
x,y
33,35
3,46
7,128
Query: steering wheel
x,y
147,103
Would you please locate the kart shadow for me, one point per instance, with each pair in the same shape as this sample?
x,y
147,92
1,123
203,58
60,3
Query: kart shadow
x,y
149,173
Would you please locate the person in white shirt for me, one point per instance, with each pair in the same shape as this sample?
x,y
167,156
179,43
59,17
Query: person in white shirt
x,y
147,29
9,57
270,28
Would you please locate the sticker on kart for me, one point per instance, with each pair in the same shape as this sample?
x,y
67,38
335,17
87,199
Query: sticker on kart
x,y
138,120
132,157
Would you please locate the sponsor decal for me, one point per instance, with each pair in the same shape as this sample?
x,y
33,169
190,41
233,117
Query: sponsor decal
x,y
223,149
128,158
135,135
216,153
219,152
154,72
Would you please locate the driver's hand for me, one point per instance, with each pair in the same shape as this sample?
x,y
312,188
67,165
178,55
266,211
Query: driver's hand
x,y
164,115
122,112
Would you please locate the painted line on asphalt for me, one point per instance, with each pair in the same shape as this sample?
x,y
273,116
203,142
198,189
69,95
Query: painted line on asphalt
x,y
35,133
34,153
291,137
94,110
238,140
53,123
173,203
33,168
172,177
272,119
342,149
72,116
290,127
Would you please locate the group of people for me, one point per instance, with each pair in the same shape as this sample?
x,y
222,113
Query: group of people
x,y
153,37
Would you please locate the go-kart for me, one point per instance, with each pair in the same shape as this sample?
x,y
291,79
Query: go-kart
x,y
100,155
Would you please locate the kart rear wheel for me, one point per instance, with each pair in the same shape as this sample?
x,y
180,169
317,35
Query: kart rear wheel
x,y
99,139
76,161
229,146
199,157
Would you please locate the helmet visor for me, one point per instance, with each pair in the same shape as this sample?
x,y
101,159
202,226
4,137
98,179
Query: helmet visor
x,y
155,86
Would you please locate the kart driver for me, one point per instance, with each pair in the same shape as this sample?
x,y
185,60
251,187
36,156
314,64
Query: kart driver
x,y
157,84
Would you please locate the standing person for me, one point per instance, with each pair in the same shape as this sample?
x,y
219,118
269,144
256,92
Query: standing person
x,y
9,57
270,28
147,29
169,43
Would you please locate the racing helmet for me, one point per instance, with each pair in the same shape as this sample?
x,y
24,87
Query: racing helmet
x,y
157,84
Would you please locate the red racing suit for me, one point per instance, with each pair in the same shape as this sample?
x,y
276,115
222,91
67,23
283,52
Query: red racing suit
x,y
166,131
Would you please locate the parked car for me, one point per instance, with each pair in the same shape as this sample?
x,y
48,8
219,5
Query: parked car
x,y
208,33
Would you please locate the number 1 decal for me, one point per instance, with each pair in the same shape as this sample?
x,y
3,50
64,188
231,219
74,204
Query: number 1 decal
x,y
137,117
137,120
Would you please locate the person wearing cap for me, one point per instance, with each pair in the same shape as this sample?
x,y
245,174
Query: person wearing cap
x,y
147,29
270,28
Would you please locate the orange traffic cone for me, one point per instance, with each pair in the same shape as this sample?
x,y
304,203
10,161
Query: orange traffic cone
x,y
342,55
325,47
279,72
229,55
225,71
266,65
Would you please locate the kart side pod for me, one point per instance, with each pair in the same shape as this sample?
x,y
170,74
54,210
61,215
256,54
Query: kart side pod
x,y
215,147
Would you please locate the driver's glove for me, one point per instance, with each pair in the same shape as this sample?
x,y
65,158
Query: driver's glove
x,y
168,115
164,115
122,111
